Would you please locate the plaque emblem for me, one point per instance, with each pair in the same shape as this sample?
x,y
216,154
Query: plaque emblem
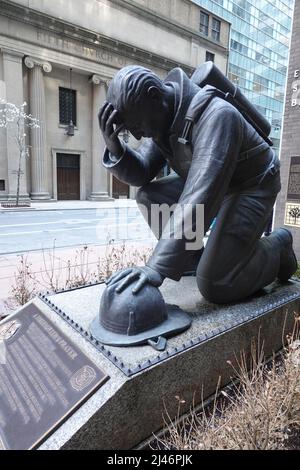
x,y
9,329
83,378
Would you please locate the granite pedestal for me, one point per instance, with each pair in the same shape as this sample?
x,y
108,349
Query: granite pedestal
x,y
129,407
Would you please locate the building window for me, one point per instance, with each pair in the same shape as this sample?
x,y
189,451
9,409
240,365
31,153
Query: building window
x,y
260,84
237,76
2,185
241,8
259,57
268,29
234,78
204,20
237,46
209,56
67,106
216,28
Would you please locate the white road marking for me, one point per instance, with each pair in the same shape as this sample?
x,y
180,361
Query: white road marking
x,y
29,225
71,221
65,229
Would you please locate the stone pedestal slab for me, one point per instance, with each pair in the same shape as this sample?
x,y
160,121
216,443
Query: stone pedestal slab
x,y
129,407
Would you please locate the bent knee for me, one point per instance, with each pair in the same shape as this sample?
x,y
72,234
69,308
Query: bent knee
x,y
215,293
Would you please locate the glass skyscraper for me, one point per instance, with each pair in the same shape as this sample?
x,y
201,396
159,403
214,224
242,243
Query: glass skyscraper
x,y
259,49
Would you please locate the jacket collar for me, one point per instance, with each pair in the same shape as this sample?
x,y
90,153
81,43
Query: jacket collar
x,y
185,90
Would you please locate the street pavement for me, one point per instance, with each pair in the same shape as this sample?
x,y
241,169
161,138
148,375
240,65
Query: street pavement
x,y
68,226
24,231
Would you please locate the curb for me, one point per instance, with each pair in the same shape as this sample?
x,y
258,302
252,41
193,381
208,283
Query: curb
x,y
37,209
24,209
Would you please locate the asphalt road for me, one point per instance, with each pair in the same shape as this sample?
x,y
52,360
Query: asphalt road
x,y
37,230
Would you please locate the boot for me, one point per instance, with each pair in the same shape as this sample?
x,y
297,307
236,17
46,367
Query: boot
x,y
288,260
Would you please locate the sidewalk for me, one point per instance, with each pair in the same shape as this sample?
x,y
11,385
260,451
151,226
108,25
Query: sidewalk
x,y
73,205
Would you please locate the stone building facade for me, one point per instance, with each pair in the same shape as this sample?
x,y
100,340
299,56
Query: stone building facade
x,y
287,212
59,57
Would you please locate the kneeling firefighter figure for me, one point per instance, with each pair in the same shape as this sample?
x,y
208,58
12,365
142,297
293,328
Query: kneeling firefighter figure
x,y
217,145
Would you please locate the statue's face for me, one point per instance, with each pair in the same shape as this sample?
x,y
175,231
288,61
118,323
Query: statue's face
x,y
150,118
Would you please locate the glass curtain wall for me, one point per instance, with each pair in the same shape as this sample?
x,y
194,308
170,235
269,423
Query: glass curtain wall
x,y
259,47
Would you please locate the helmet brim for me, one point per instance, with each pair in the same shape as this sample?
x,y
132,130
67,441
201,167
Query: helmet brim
x,y
176,322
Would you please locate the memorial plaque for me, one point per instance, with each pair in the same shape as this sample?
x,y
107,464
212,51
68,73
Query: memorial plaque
x,y
293,192
44,377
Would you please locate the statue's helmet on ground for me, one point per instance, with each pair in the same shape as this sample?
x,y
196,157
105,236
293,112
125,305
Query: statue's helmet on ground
x,y
127,319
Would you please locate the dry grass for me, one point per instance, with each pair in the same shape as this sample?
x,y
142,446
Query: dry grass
x,y
77,271
24,287
261,414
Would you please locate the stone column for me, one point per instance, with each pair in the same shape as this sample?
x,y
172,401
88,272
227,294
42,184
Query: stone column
x,y
12,91
99,173
39,186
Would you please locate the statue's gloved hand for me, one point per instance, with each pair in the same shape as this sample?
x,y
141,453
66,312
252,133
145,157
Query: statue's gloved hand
x,y
108,116
142,274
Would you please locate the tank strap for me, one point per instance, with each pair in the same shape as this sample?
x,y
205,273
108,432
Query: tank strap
x,y
197,106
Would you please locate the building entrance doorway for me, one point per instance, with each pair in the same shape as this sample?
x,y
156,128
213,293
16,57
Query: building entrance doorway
x,y
68,176
120,189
